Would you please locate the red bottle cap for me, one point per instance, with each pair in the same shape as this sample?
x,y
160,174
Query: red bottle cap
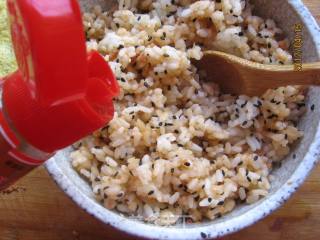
x,y
60,93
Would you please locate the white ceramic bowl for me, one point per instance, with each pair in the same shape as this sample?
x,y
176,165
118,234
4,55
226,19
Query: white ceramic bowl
x,y
287,178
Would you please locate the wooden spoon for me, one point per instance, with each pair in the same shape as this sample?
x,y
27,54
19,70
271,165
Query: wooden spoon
x,y
239,76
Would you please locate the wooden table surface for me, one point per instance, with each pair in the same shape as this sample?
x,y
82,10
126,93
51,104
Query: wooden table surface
x,y
36,209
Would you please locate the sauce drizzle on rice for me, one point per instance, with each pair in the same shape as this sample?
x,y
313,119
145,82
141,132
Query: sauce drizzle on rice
x,y
177,146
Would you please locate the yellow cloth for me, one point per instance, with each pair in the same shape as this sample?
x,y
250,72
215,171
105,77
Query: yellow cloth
x,y
7,58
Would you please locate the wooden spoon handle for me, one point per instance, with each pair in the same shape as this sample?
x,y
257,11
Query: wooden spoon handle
x,y
271,76
286,75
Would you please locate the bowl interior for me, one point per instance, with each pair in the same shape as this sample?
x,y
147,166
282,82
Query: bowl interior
x,y
286,16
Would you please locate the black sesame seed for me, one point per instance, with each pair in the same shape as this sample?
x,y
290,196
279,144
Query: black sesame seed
x,y
180,185
209,199
247,172
180,145
249,179
166,55
176,131
218,215
244,104
130,172
152,166
172,170
120,46
203,186
174,117
269,45
195,19
117,25
203,235
149,38
220,203
139,18
197,198
146,84
240,163
312,107
151,192
294,156
244,123
282,63
122,80
187,164
255,158
223,173
160,124
120,195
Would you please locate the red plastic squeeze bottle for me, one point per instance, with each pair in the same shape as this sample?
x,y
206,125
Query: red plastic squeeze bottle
x,y
60,93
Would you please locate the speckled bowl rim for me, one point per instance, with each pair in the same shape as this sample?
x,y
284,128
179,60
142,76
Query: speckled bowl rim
x,y
219,229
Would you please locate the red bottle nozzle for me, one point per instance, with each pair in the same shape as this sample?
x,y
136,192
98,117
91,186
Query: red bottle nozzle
x,y
60,93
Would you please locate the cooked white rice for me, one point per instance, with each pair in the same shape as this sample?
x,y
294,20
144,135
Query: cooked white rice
x,y
176,145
